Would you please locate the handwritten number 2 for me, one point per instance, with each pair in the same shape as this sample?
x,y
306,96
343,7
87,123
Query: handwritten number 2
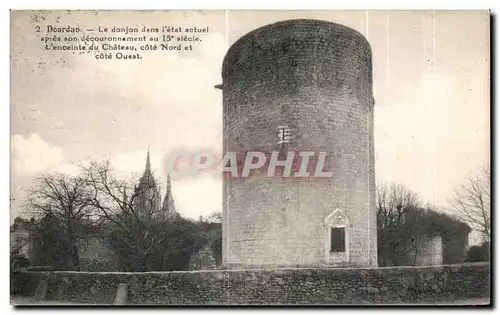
x,y
38,29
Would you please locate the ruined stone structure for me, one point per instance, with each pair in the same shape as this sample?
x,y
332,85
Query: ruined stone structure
x,y
21,238
429,251
300,85
440,248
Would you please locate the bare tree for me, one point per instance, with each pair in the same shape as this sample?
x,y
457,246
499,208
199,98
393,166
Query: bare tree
x,y
393,203
133,211
471,201
396,208
66,199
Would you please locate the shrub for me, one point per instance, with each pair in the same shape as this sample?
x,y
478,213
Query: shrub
x,y
479,253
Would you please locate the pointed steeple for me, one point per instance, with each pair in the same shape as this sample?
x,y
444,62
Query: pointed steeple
x,y
168,207
147,197
147,180
148,163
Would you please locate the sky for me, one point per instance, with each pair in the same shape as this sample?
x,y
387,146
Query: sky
x,y
431,90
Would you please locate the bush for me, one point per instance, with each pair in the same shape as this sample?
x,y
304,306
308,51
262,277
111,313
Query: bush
x,y
17,262
479,253
22,284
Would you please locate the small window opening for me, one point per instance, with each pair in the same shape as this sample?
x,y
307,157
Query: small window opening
x,y
284,134
337,240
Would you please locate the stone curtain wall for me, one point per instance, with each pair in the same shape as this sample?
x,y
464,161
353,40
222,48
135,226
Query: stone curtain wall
x,y
277,286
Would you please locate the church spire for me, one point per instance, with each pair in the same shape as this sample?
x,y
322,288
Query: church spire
x,y
147,179
148,199
168,207
148,163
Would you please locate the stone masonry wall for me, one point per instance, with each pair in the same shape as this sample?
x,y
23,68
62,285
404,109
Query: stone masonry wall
x,y
316,78
429,251
277,286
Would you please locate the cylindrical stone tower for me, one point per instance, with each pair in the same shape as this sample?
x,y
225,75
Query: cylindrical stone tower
x,y
311,80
